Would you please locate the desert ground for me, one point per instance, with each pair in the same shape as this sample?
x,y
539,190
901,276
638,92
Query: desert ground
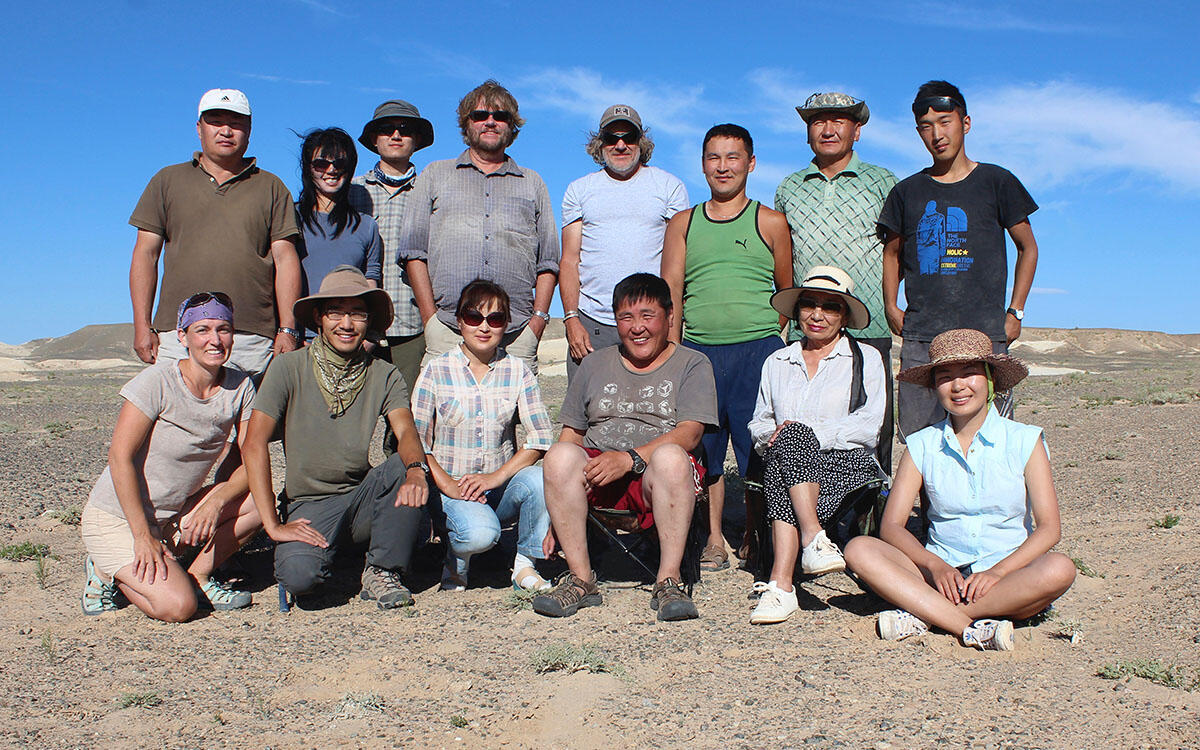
x,y
477,669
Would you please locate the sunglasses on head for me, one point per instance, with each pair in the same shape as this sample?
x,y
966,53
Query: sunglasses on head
x,y
199,298
829,305
481,115
937,104
403,128
610,138
475,318
323,165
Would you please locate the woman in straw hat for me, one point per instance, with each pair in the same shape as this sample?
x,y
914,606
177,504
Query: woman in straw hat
x,y
817,419
993,512
151,503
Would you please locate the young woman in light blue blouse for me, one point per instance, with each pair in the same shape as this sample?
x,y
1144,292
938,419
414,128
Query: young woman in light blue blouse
x,y
993,513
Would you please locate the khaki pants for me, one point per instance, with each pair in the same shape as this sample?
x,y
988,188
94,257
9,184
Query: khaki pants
x,y
441,338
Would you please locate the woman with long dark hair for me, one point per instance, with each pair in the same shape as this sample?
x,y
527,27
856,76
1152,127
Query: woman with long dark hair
x,y
332,233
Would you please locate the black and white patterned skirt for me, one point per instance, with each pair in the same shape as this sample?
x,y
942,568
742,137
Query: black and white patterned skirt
x,y
796,458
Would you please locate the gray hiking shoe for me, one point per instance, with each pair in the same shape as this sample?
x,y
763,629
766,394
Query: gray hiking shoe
x,y
672,602
98,597
989,635
570,593
385,587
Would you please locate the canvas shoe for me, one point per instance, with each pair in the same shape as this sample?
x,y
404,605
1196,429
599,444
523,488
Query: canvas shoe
x,y
671,602
223,597
569,595
98,597
385,588
989,635
821,556
897,624
774,604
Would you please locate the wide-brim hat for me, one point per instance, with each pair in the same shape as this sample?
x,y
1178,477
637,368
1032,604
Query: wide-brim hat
x,y
404,110
347,281
966,345
834,101
828,279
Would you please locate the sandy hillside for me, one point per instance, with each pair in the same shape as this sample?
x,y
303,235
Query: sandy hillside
x,y
461,670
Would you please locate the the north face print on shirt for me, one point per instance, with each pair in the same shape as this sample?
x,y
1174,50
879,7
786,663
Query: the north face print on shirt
x,y
942,242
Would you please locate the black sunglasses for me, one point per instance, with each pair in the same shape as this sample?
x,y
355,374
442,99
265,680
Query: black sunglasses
x,y
937,104
610,138
403,128
322,165
475,318
829,305
199,298
499,115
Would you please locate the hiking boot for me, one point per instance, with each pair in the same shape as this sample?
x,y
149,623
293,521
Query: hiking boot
x,y
385,587
821,556
672,602
570,593
223,597
98,597
989,635
897,624
774,604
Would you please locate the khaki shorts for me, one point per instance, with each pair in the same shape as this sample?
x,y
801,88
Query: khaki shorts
x,y
109,540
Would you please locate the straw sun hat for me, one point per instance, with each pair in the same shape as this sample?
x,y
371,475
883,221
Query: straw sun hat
x,y
966,345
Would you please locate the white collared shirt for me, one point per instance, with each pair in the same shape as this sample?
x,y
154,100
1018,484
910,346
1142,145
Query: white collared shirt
x,y
787,393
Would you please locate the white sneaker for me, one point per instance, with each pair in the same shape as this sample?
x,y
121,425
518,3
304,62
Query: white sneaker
x,y
897,624
989,635
774,604
821,556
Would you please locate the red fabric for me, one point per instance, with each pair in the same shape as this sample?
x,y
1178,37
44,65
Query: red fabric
x,y
626,493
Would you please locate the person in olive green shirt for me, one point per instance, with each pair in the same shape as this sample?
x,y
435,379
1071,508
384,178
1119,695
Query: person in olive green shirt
x,y
832,206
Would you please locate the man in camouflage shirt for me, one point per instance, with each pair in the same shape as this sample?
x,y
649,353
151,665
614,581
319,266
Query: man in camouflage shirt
x,y
832,206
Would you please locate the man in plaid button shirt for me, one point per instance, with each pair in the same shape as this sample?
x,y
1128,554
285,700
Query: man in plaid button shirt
x,y
832,206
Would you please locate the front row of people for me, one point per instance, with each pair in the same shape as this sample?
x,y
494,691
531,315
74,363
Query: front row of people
x,y
633,418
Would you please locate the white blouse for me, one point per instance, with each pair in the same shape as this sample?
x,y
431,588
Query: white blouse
x,y
787,393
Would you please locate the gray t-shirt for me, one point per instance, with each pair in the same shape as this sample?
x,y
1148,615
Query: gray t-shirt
x,y
321,252
623,226
326,455
619,409
187,437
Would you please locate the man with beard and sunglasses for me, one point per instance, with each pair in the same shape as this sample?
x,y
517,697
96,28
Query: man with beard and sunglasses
x,y
614,220
943,231
482,216
225,224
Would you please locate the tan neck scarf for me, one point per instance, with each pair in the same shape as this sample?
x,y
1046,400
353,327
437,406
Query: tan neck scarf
x,y
339,378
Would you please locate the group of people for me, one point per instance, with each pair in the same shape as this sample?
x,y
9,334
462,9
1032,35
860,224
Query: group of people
x,y
427,295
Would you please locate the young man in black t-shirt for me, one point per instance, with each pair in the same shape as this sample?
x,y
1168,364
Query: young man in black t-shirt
x,y
943,234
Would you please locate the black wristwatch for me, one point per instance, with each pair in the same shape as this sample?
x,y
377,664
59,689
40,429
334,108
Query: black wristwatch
x,y
1018,314
639,466
418,465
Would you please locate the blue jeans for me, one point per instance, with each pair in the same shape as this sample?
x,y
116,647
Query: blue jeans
x,y
475,527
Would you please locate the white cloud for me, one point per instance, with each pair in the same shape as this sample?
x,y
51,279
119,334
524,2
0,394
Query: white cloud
x,y
1047,290
283,79
664,107
960,16
323,7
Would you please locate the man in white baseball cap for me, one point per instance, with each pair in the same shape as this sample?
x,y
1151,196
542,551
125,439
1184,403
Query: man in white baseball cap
x,y
225,224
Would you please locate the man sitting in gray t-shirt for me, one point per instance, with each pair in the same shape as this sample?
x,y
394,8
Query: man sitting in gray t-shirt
x,y
631,418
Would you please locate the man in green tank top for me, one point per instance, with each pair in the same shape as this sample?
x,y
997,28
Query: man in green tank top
x,y
724,258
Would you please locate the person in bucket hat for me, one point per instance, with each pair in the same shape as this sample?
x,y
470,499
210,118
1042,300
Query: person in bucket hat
x,y
333,393
820,406
831,206
980,471
396,131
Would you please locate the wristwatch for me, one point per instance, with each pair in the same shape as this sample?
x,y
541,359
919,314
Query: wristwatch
x,y
418,465
543,315
297,335
1018,314
639,466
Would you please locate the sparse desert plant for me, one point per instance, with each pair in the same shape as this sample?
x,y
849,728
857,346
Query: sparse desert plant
x,y
40,570
1167,675
1169,521
1068,629
519,600
48,644
360,704
458,721
58,429
1085,569
24,551
148,699
69,515
1113,456
568,657
6,427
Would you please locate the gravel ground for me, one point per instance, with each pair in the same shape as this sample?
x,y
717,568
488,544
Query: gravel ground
x,y
458,669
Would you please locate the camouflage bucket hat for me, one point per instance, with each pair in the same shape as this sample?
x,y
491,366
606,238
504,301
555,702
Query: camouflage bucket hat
x,y
834,102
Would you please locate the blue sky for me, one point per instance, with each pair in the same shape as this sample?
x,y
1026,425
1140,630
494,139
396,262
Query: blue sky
x,y
1094,105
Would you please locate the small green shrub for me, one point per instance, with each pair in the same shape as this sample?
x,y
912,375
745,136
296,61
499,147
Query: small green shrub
x,y
24,551
1169,521
567,657
148,699
1167,675
1085,569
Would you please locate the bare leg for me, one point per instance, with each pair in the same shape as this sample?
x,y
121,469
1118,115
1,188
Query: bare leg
x,y
1026,591
786,540
716,508
804,502
170,600
566,500
671,492
239,521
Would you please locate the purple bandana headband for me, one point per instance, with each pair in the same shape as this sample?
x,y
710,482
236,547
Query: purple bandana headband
x,y
206,305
